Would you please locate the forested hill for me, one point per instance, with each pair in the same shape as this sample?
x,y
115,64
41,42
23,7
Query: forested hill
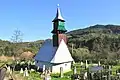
x,y
96,29
9,48
98,41
94,42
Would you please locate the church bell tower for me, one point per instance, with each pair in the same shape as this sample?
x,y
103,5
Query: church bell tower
x,y
58,29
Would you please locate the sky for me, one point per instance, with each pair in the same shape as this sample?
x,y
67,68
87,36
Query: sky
x,y
34,17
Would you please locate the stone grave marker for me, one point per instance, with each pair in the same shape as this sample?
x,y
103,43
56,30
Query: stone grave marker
x,y
74,70
99,63
26,72
86,64
43,68
21,70
61,71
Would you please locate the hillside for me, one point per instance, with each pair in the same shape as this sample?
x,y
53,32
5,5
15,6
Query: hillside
x,y
94,42
9,49
97,42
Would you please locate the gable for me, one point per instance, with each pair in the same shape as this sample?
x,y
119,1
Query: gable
x,y
62,54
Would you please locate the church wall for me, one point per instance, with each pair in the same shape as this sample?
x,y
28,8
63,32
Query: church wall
x,y
55,68
41,64
66,67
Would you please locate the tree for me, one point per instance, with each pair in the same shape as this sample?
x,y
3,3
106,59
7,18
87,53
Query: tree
x,y
80,54
17,36
16,39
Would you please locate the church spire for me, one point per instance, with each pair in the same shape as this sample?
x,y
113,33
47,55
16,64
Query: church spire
x,y
58,15
58,29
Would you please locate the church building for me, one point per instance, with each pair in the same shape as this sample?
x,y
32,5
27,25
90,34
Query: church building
x,y
54,53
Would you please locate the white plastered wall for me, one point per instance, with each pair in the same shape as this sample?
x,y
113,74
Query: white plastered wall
x,y
56,68
66,67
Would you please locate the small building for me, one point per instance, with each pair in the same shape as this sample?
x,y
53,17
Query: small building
x,y
54,53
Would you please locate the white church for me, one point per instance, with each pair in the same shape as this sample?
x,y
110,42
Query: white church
x,y
54,53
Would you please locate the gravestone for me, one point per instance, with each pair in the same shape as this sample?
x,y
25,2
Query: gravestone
x,y
81,63
47,78
26,72
43,68
75,77
47,75
104,77
38,68
74,70
86,64
33,63
99,63
21,70
61,71
49,70
17,62
85,76
8,69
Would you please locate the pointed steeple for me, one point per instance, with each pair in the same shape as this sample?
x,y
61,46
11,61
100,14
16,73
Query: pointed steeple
x,y
58,29
58,15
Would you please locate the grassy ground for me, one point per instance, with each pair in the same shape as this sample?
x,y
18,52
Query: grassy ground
x,y
36,76
67,76
114,68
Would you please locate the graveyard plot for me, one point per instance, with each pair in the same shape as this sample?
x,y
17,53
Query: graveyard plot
x,y
77,68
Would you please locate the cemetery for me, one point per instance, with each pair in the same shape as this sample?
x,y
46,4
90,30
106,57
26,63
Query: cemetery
x,y
27,70
55,62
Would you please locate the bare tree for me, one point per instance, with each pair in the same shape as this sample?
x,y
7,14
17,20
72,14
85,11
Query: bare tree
x,y
17,36
16,39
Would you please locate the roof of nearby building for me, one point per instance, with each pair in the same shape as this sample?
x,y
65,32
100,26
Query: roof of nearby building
x,y
48,53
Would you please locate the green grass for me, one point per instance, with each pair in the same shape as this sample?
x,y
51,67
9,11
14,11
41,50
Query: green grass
x,y
64,78
114,68
34,76
4,62
1,64
67,76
